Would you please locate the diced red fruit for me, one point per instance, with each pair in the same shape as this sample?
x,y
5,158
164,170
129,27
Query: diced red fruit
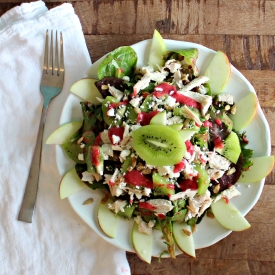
x,y
116,131
97,140
207,123
179,166
167,89
95,155
218,143
218,122
189,147
164,89
146,205
186,184
144,118
226,199
136,178
182,99
161,216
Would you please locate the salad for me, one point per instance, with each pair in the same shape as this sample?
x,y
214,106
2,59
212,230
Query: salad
x,y
158,143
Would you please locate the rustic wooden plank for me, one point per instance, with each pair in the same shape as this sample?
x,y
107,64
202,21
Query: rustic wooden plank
x,y
178,17
244,52
255,248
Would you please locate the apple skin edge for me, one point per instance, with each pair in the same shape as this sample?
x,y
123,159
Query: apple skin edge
x,y
229,216
70,184
261,167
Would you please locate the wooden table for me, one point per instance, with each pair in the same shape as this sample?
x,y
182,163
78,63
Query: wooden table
x,y
245,31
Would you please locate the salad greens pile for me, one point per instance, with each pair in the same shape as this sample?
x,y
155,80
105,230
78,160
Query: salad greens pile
x,y
159,144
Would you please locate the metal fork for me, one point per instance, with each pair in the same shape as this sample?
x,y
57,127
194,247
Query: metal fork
x,y
50,86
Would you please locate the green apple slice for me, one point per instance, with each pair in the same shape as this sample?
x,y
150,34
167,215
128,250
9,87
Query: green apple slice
x,y
176,126
261,167
218,71
159,119
158,48
70,184
186,134
107,220
246,109
63,134
229,216
142,243
85,88
185,242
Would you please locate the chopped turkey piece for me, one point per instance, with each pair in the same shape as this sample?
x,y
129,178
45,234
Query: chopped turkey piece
x,y
228,193
144,227
115,92
86,176
183,195
161,206
217,161
204,100
198,204
190,114
194,83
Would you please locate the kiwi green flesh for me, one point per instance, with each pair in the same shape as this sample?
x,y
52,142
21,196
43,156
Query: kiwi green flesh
x,y
109,99
158,145
73,150
232,148
162,186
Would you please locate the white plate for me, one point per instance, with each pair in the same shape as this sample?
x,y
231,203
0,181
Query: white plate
x,y
209,231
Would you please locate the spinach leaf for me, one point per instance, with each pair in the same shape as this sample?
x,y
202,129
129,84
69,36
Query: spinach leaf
x,y
118,63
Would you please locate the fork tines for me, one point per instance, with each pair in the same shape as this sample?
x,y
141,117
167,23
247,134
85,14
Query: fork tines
x,y
52,64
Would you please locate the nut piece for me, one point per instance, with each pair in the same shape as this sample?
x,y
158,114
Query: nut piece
x,y
216,189
88,201
186,232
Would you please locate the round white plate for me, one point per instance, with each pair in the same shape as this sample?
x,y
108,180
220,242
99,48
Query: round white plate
x,y
209,231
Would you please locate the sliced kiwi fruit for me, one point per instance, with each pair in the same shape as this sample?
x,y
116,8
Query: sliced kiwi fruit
x,y
73,150
105,104
159,145
162,186
231,149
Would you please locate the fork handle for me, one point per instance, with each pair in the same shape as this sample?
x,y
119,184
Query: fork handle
x,y
29,199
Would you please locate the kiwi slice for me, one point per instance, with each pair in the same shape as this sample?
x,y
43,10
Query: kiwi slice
x,y
159,145
232,148
162,186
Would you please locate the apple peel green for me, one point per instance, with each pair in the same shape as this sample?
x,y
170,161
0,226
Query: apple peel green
x,y
261,167
246,109
85,88
142,243
218,71
229,216
64,133
184,241
107,220
158,48
70,184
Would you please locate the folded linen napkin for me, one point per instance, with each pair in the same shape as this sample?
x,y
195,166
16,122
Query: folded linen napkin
x,y
57,241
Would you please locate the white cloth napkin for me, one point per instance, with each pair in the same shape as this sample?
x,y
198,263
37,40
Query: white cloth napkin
x,y
57,241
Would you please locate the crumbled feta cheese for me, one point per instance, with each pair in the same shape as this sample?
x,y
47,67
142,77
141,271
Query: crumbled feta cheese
x,y
111,112
80,157
116,139
117,206
107,149
228,98
86,176
124,153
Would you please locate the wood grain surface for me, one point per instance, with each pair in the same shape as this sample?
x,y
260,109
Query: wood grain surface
x,y
244,30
